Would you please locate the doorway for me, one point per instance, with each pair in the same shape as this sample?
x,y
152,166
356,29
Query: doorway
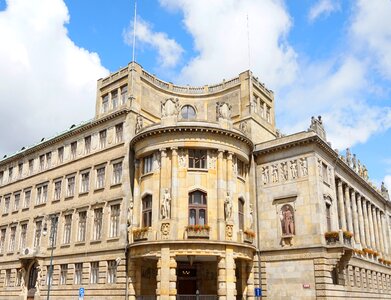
x,y
187,280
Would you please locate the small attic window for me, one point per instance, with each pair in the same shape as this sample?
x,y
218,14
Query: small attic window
x,y
188,112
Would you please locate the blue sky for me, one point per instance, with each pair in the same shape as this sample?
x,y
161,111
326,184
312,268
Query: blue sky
x,y
321,57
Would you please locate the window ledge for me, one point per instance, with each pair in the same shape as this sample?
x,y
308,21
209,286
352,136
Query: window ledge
x,y
113,239
147,174
99,189
197,169
83,193
81,243
40,205
4,214
65,246
15,211
56,200
95,242
25,208
113,185
69,197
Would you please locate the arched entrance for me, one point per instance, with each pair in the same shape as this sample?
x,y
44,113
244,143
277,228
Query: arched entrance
x,y
32,280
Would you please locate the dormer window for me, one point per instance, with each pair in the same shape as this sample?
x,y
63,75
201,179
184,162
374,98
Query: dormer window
x,y
188,112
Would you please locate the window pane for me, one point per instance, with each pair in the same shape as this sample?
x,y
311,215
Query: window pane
x,y
192,217
201,220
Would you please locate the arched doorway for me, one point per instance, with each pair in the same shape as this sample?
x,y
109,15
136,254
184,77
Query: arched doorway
x,y
32,279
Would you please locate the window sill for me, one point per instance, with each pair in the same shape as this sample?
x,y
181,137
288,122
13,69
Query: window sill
x,y
80,243
147,174
113,239
241,178
15,211
197,170
56,200
83,193
25,208
69,197
10,253
5,214
50,248
65,246
95,242
40,205
114,185
99,189
326,183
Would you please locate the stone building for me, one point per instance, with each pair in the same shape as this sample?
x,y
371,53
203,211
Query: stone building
x,y
172,191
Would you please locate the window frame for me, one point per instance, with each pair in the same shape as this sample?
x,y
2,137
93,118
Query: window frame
x,y
197,207
146,206
197,159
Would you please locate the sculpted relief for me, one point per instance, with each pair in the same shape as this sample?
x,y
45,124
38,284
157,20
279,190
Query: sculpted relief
x,y
223,110
170,107
287,220
282,171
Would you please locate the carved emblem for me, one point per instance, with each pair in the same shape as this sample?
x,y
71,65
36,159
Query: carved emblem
x,y
165,230
170,107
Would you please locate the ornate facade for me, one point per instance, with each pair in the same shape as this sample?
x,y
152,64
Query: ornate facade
x,y
174,191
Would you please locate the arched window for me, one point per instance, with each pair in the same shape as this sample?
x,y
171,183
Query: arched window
x,y
197,208
241,213
147,211
188,112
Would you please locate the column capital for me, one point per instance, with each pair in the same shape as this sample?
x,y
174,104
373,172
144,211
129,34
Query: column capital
x,y
339,182
163,152
174,149
230,155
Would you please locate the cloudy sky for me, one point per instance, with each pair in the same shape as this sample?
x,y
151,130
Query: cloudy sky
x,y
321,57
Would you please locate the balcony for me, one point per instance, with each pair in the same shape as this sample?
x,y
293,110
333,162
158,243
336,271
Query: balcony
x,y
197,232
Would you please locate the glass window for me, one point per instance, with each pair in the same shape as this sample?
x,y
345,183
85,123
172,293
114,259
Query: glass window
x,y
57,190
87,144
42,162
98,219
27,197
67,229
119,133
241,168
147,211
94,272
1,177
124,94
53,231
188,112
71,186
16,202
117,173
197,158
7,280
105,103
7,201
114,220
11,246
10,174
81,236
102,139
60,153
38,231
78,273
114,99
2,239
197,208
147,164
23,236
42,194
111,271
100,177
241,214
63,274
328,216
73,149
20,170
48,160
85,182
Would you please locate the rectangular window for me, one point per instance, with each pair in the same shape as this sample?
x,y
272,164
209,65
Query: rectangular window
x,y
81,234
100,178
324,173
23,236
49,277
147,211
10,174
41,162
87,144
60,153
48,160
63,274
197,158
71,186
31,166
57,190
98,219
94,275
105,103
42,194
2,239
85,182
7,201
53,231
38,231
67,229
27,197
241,168
124,94
117,173
241,214
73,150
111,271
114,220
7,280
268,114
20,170
11,245
78,273
102,139
114,99
328,216
147,164
119,132
1,177
16,202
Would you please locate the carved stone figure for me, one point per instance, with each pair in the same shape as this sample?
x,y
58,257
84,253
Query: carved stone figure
x,y
170,107
320,168
287,220
293,169
274,173
165,208
384,191
165,230
223,110
250,216
130,212
317,126
348,157
354,162
359,168
39,279
265,175
365,172
228,231
22,272
139,123
243,127
182,158
156,161
284,171
303,166
228,207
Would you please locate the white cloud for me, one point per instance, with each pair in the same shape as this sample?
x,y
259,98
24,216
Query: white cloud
x,y
323,8
47,82
387,182
169,51
219,31
371,31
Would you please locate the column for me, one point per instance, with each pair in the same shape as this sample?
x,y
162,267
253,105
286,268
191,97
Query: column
x,y
385,230
174,183
380,230
221,284
355,217
164,280
220,196
230,280
371,226
361,221
348,209
341,206
366,224
136,222
229,172
173,278
375,228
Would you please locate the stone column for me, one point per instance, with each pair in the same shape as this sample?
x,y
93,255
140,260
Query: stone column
x,y
229,172
386,233
341,206
348,209
366,224
361,221
355,217
220,195
173,278
230,280
166,284
380,230
371,226
375,228
136,222
174,183
163,182
221,279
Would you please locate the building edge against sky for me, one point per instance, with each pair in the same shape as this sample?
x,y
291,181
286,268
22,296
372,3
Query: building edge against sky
x,y
171,190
